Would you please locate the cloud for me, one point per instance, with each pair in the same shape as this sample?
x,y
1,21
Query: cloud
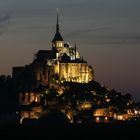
x,y
119,39
4,22
105,35
4,18
79,32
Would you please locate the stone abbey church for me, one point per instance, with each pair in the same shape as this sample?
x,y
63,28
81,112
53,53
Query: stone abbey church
x,y
62,62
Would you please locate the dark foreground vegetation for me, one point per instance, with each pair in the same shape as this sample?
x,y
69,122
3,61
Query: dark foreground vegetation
x,y
120,130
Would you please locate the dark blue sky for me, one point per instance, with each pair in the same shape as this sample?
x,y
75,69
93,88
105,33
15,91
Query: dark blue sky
x,y
106,32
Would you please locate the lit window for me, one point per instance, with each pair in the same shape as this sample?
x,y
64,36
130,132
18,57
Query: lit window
x,y
106,118
120,117
97,119
59,44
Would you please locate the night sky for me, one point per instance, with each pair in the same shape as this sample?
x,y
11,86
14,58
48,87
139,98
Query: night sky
x,y
107,33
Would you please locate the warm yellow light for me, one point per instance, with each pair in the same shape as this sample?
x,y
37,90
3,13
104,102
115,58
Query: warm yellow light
x,y
97,118
36,100
86,105
21,120
107,100
136,112
120,117
106,118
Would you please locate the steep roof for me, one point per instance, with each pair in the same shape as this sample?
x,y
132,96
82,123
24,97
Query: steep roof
x,y
57,37
45,54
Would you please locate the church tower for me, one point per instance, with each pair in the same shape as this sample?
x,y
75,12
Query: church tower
x,y
58,41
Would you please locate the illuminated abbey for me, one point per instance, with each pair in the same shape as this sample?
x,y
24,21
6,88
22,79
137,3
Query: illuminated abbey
x,y
62,61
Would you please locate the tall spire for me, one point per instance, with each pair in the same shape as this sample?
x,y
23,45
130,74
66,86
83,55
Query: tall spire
x,y
57,24
57,36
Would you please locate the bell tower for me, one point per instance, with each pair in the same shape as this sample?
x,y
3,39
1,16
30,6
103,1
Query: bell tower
x,y
58,41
